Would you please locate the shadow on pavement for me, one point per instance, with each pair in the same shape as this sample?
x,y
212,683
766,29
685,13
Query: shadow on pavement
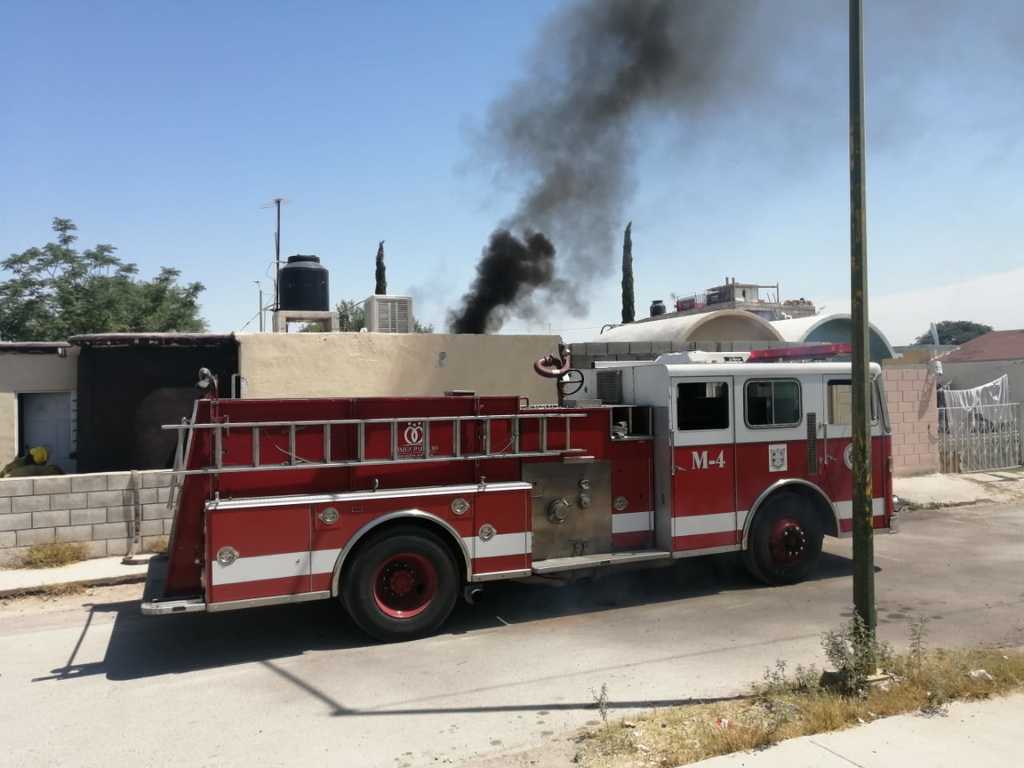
x,y
142,647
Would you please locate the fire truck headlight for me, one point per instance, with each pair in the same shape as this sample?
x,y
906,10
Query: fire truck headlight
x,y
227,555
486,532
620,503
460,506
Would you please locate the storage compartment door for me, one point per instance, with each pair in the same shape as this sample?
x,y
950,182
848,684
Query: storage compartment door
x,y
257,552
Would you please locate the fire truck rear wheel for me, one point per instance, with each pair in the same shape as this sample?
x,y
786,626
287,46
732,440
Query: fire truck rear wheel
x,y
785,541
401,584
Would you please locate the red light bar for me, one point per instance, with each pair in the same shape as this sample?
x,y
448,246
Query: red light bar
x,y
802,352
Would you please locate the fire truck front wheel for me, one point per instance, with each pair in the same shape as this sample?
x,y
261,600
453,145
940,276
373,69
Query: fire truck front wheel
x,y
401,584
785,541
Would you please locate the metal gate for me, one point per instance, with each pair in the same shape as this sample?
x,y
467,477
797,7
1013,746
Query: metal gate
x,y
979,438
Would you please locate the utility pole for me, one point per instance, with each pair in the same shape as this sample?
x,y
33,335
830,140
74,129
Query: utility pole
x,y
863,530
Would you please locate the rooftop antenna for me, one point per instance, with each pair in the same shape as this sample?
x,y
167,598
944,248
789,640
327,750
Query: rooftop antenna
x,y
277,202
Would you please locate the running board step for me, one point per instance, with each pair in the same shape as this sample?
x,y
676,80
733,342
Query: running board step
x,y
556,564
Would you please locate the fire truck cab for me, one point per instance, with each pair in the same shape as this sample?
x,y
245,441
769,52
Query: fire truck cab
x,y
396,506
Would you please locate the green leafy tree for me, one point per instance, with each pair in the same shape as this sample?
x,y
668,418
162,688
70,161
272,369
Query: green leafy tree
x,y
351,315
628,297
380,274
954,332
56,291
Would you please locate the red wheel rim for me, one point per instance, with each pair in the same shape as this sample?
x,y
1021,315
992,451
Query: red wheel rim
x,y
404,585
788,542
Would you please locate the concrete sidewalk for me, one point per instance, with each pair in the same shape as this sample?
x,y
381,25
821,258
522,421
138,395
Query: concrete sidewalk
x,y
95,572
985,733
941,490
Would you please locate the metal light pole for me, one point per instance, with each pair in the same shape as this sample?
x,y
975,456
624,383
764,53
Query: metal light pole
x,y
259,292
277,254
863,531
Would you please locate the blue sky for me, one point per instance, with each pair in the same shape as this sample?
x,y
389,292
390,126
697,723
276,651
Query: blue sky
x,y
164,128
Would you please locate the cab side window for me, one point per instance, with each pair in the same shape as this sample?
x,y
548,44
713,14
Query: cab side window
x,y
840,402
702,405
773,403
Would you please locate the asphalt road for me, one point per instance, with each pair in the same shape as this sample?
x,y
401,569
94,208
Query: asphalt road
x,y
86,680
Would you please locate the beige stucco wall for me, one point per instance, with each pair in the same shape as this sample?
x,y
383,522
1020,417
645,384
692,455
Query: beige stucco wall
x,y
373,364
20,373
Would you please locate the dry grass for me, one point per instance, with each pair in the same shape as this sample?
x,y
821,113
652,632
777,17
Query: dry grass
x,y
157,546
785,707
61,590
52,555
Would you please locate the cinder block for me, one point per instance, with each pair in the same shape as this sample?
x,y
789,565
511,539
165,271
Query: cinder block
x,y
154,511
15,522
661,347
69,500
596,349
152,528
110,531
149,541
5,506
120,514
51,485
618,347
50,518
12,557
117,547
163,494
120,481
86,483
95,548
640,348
160,478
74,533
168,523
84,516
35,536
21,486
7,539
30,503
111,498
149,495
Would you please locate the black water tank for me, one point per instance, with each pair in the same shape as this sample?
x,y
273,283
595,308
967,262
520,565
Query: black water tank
x,y
657,307
303,284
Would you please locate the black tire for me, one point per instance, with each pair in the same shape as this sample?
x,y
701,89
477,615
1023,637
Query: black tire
x,y
785,540
401,584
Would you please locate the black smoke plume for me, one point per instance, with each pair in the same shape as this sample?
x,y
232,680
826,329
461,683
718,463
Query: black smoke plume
x,y
509,269
566,128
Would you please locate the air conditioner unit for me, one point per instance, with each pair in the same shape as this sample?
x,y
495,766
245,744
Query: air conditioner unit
x,y
389,314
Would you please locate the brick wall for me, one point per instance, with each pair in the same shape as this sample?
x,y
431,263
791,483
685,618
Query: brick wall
x,y
910,392
98,510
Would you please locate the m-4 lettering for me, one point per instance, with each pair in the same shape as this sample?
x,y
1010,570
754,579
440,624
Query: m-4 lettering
x,y
701,460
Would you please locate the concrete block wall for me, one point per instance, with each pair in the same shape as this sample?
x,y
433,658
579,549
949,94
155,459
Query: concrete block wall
x,y
98,510
910,393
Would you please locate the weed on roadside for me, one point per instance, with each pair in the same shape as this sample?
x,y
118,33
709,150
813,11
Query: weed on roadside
x,y
52,555
785,705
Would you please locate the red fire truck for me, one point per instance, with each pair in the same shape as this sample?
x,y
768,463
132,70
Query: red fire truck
x,y
396,506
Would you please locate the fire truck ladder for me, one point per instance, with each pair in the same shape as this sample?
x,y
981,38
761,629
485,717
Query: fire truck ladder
x,y
510,450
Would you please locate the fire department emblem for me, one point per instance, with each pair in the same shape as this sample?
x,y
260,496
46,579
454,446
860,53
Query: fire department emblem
x,y
778,460
411,444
